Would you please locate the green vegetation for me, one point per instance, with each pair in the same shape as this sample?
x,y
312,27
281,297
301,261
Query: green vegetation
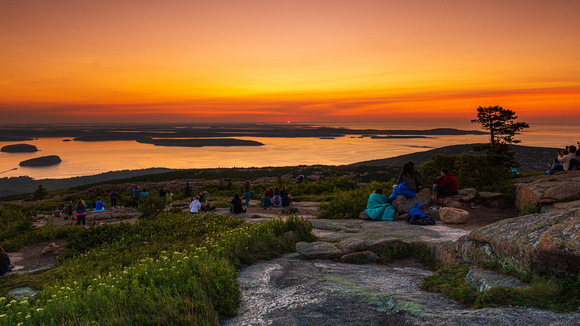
x,y
168,269
545,292
349,203
472,171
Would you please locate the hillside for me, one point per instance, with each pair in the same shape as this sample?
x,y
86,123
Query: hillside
x,y
530,158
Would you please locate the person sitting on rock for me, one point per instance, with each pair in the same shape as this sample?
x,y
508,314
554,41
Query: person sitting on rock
x,y
99,206
269,193
448,186
556,167
266,201
236,205
407,183
4,262
379,207
569,160
56,213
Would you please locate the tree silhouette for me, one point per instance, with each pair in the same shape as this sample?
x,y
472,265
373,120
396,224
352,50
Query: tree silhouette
x,y
501,126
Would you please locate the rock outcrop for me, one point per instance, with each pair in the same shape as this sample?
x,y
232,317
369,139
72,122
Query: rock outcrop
x,y
482,280
547,189
545,243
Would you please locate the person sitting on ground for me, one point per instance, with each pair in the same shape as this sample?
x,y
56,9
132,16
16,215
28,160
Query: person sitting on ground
x,y
236,205
276,191
266,202
195,205
269,192
207,207
556,167
4,262
81,212
94,205
277,201
570,160
56,213
379,207
286,198
145,193
99,206
448,186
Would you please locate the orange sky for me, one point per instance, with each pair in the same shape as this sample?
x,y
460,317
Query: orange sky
x,y
299,60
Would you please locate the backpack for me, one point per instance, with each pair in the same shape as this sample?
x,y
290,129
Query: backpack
x,y
277,201
415,216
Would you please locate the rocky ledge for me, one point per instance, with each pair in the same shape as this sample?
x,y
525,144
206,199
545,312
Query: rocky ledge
x,y
544,243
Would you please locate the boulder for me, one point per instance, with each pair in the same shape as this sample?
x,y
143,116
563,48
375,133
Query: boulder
x,y
560,186
351,245
543,243
569,206
318,250
467,194
52,247
363,257
382,244
482,280
288,238
364,216
452,215
403,204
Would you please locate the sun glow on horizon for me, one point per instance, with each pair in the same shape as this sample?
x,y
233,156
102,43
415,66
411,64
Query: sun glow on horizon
x,y
301,61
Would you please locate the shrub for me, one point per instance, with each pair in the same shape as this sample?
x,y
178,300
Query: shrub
x,y
349,204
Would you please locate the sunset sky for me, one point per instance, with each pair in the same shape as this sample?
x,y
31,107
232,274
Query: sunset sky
x,y
299,60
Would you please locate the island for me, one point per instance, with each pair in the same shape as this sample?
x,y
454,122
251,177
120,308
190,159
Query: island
x,y
19,148
42,161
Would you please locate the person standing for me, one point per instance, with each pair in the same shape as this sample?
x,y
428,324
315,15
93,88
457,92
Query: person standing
x,y
68,210
247,185
136,195
81,211
114,198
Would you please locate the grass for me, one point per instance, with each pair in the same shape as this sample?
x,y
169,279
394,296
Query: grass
x,y
545,292
169,269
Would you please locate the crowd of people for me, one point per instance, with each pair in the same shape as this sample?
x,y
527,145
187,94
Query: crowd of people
x,y
566,160
408,183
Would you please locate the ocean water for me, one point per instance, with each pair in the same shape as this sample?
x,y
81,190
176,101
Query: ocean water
x,y
88,158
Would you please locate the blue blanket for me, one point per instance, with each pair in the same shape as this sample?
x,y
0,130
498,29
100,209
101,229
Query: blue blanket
x,y
379,208
402,190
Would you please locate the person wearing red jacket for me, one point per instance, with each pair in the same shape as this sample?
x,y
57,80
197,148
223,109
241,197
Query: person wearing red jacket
x,y
448,186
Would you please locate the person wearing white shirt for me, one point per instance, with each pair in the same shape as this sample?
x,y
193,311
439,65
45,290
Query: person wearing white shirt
x,y
194,206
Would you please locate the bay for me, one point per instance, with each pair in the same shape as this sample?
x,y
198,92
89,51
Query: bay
x,y
89,158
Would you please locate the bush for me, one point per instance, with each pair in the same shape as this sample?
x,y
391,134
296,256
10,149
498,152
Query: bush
x,y
472,171
349,204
